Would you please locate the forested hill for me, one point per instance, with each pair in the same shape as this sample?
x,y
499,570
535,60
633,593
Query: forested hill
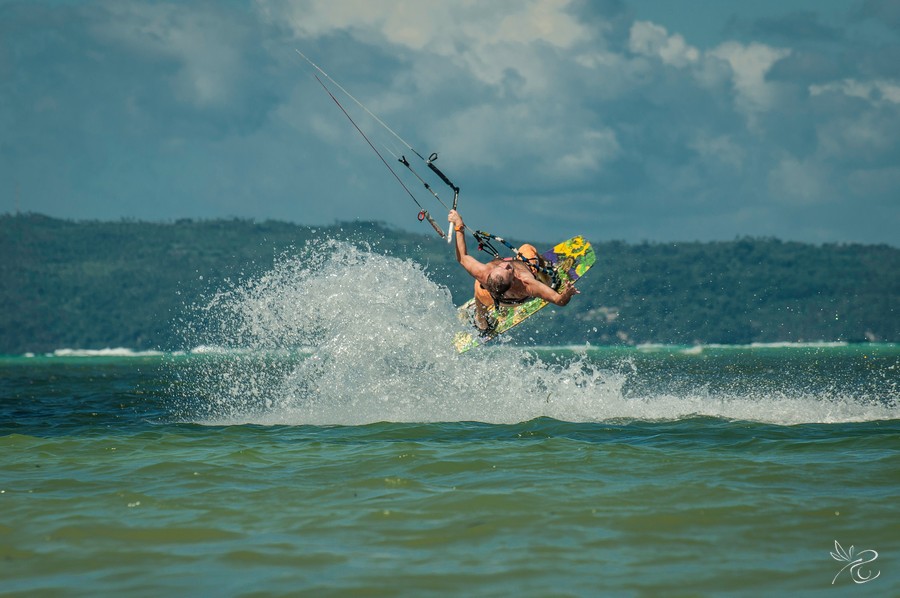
x,y
110,284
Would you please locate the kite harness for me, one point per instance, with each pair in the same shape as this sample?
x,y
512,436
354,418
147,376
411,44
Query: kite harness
x,y
484,244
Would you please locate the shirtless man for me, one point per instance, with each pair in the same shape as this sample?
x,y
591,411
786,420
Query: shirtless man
x,y
504,283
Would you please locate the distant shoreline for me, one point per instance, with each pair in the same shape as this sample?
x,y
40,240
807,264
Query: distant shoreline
x,y
136,284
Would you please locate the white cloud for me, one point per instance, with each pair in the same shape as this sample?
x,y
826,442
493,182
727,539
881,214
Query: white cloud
x,y
495,136
881,90
425,24
588,153
649,39
521,97
749,66
514,47
203,43
485,38
856,138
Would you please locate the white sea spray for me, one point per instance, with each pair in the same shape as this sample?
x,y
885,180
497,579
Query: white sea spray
x,y
338,334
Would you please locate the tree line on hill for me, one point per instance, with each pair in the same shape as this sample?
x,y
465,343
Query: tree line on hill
x,y
93,284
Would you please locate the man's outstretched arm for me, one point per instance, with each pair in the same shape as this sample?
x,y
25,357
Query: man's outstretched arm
x,y
478,270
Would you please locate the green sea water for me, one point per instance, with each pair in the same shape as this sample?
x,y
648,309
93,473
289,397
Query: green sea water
x,y
109,488
343,448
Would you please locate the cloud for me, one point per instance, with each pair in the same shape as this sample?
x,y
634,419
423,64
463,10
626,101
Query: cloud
x,y
422,24
209,65
487,39
206,64
649,39
554,117
532,142
599,110
749,67
747,64
874,91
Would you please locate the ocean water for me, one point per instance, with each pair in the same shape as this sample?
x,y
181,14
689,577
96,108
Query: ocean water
x,y
316,438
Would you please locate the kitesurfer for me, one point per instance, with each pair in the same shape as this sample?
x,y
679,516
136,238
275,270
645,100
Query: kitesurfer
x,y
506,282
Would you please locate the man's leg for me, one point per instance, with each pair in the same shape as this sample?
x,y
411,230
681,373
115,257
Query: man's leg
x,y
482,315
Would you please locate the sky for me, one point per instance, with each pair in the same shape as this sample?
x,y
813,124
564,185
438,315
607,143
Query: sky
x,y
634,120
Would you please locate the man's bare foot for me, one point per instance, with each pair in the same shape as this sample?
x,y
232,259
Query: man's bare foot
x,y
484,323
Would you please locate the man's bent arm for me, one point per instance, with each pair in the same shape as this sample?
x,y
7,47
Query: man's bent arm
x,y
538,289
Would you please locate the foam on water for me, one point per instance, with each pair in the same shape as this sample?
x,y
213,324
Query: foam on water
x,y
108,352
341,335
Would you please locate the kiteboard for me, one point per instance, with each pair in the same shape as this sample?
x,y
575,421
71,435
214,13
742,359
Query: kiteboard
x,y
571,259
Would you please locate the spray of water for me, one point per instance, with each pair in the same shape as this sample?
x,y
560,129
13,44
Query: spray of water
x,y
341,335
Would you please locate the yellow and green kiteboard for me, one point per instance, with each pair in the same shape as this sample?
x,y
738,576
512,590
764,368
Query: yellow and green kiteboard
x,y
571,259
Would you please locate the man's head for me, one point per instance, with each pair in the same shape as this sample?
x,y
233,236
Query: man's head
x,y
500,279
